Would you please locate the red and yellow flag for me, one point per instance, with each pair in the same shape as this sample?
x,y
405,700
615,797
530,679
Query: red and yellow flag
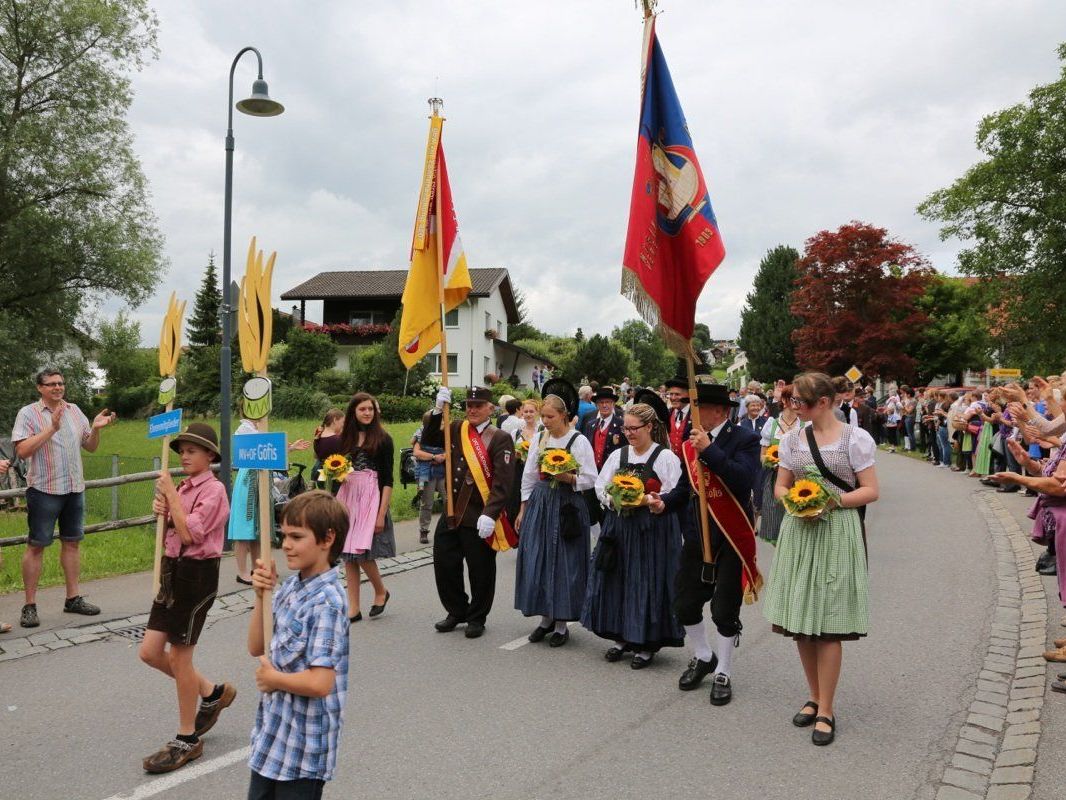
x,y
437,258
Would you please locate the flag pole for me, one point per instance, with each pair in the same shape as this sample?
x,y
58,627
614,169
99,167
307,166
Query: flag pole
x,y
705,525
436,103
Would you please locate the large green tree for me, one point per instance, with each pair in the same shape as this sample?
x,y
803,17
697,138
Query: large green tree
x,y
121,357
956,337
377,368
652,361
1010,209
767,321
598,359
73,198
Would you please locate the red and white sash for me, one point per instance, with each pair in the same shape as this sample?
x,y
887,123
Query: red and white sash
x,y
477,457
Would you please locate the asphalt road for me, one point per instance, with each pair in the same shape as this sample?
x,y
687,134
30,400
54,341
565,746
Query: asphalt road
x,y
437,715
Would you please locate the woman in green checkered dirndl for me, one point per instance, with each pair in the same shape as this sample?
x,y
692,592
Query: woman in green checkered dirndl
x,y
818,589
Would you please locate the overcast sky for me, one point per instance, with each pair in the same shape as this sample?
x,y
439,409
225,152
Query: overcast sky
x,y
804,116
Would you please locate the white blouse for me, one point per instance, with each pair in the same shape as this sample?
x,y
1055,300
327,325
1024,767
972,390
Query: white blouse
x,y
581,451
667,467
772,430
861,449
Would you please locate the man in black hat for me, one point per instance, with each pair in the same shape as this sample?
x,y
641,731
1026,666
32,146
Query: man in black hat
x,y
680,425
730,456
604,428
465,536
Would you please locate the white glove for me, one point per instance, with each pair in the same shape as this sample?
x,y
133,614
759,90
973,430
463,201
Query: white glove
x,y
485,526
444,397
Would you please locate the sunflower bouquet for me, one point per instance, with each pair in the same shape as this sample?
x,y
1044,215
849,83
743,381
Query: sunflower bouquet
x,y
335,469
772,457
808,496
626,491
521,449
554,462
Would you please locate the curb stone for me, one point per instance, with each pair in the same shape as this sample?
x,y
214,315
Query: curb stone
x,y
226,605
995,751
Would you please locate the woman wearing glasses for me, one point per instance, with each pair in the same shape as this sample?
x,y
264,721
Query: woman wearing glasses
x,y
552,569
631,588
771,511
818,590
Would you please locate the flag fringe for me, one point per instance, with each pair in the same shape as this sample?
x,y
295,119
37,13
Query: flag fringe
x,y
634,291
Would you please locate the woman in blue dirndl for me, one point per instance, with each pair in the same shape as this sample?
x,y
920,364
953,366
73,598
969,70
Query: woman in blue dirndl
x,y
631,588
551,572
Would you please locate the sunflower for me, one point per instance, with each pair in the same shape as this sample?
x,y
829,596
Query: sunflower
x,y
335,469
627,481
334,462
772,457
626,491
804,491
556,461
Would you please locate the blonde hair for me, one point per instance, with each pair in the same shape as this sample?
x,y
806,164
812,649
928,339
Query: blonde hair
x,y
810,387
532,401
647,415
555,402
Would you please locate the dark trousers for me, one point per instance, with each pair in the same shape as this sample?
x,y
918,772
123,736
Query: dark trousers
x,y
725,595
260,788
451,547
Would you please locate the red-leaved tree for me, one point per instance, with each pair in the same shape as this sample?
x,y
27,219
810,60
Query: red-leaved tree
x,y
856,294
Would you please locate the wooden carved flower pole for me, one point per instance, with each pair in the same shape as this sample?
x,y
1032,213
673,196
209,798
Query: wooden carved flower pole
x,y
169,351
254,330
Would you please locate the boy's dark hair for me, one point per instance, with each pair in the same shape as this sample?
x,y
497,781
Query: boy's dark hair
x,y
512,406
842,384
321,513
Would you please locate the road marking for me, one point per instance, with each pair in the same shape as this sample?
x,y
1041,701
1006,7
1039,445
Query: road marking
x,y
152,788
524,640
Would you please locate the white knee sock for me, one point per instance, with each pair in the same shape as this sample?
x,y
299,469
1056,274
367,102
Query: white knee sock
x,y
724,648
560,627
697,640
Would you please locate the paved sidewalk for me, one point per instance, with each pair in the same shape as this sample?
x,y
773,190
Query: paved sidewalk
x,y
125,600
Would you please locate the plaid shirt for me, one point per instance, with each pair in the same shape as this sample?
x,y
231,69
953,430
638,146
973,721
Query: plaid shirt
x,y
56,466
294,736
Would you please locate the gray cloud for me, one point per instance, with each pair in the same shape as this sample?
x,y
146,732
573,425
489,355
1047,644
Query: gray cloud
x,y
804,116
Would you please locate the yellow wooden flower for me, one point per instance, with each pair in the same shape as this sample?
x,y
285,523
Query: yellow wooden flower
x,y
803,491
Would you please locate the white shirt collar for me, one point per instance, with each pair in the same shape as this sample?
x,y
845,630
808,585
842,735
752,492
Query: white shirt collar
x,y
714,433
481,428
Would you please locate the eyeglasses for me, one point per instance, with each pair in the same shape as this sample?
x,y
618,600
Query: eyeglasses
x,y
634,428
795,402
53,384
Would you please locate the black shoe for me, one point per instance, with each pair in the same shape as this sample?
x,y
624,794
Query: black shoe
x,y
1058,686
1030,493
559,639
357,618
803,719
641,663
1062,676
822,738
697,670
473,630
448,624
539,633
29,616
721,690
1050,569
615,653
1045,559
377,611
1010,488
988,482
79,605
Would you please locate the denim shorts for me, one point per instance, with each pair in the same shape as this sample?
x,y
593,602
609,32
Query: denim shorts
x,y
44,510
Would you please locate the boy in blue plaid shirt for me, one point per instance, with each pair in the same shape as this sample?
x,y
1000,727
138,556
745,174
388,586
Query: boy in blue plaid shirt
x,y
305,680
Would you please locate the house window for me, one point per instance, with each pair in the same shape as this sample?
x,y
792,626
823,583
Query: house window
x,y
451,318
453,363
488,321
499,328
368,318
488,367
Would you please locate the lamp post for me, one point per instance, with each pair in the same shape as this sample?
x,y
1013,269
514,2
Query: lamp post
x,y
258,104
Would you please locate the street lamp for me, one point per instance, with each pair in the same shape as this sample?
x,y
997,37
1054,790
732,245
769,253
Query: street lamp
x,y
258,104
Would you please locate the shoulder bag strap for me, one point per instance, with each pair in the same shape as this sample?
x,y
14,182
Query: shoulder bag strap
x,y
817,456
649,465
571,442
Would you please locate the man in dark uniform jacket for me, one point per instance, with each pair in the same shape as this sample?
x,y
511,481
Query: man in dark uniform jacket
x,y
679,425
463,538
604,429
732,454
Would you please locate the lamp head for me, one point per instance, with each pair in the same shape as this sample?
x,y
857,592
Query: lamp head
x,y
260,104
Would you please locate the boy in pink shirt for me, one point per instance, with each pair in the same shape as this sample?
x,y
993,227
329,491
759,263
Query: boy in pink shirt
x,y
196,512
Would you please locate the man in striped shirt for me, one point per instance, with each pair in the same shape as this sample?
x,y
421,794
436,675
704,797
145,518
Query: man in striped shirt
x,y
49,434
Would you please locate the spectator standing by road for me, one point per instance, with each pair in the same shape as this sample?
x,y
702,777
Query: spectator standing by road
x,y
429,472
49,435
5,627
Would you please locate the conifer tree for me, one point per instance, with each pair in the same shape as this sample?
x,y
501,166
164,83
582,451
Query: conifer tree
x,y
767,322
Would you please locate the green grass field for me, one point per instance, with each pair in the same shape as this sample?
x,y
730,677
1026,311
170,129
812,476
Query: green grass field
x,y
130,549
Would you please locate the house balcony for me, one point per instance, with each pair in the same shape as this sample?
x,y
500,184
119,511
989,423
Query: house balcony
x,y
344,334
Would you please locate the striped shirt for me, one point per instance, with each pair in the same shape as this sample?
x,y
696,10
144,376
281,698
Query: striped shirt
x,y
295,736
56,466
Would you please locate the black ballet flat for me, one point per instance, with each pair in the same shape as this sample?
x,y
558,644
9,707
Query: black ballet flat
x,y
615,653
641,663
357,618
802,719
376,611
539,633
822,738
559,639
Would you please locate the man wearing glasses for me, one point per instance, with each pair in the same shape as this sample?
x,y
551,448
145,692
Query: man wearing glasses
x,y
49,435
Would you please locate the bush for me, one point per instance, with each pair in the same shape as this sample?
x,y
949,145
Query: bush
x,y
292,402
333,382
340,400
134,401
403,409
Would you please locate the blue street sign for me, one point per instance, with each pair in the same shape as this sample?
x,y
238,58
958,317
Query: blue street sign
x,y
260,451
165,424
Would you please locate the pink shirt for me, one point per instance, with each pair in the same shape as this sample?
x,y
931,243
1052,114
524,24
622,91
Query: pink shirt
x,y
206,512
